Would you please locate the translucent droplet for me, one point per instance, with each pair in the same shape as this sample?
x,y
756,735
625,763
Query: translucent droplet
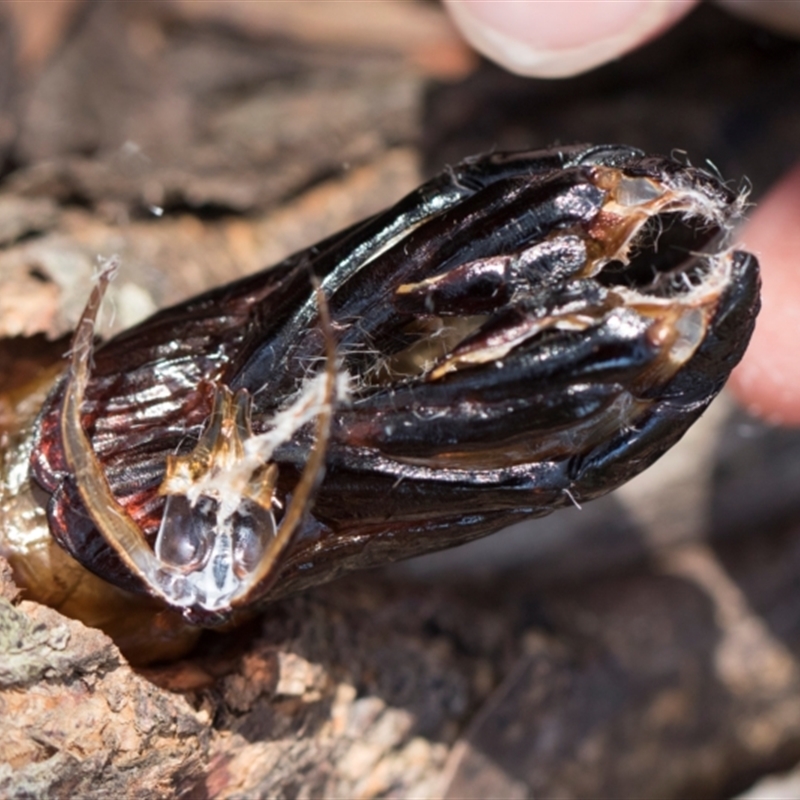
x,y
186,532
253,529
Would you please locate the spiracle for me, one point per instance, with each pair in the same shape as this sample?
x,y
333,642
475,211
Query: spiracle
x,y
524,331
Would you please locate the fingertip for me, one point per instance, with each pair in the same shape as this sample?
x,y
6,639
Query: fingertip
x,y
559,38
767,382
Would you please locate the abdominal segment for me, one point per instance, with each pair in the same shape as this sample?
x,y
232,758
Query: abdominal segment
x,y
524,331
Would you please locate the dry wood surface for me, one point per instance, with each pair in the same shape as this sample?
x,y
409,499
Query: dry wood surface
x,y
648,646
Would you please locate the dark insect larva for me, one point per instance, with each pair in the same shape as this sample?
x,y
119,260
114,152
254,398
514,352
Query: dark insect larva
x,y
524,331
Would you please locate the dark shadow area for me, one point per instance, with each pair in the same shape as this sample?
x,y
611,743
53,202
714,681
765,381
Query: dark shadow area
x,y
422,649
23,359
624,682
755,480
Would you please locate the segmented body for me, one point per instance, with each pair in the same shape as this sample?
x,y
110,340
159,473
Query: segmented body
x,y
524,331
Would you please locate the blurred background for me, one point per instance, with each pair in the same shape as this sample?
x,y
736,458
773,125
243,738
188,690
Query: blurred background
x,y
205,140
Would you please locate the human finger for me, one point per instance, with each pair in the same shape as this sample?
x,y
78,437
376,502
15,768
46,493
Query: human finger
x,y
767,381
558,38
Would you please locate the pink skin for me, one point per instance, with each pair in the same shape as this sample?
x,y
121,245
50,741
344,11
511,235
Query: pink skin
x,y
768,379
557,38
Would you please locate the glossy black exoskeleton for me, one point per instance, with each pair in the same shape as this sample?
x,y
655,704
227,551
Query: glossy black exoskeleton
x,y
524,331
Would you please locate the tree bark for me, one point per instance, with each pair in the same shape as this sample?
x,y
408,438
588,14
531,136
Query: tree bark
x,y
645,647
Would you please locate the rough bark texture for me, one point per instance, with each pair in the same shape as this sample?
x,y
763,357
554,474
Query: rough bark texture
x,y
612,653
677,680
344,693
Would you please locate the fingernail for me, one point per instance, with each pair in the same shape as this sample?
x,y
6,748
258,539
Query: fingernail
x,y
558,38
